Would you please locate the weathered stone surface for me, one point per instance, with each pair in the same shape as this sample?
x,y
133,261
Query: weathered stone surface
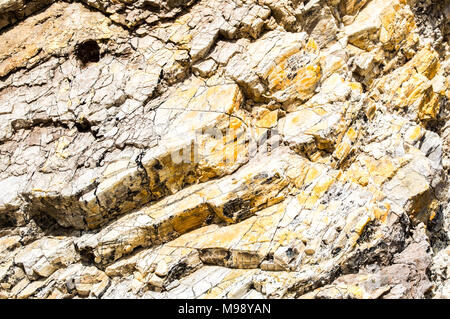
x,y
123,175
52,32
414,91
132,13
405,278
439,271
388,23
279,66
12,11
46,255
224,149
231,199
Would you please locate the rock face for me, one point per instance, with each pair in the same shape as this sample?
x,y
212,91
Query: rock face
x,y
224,149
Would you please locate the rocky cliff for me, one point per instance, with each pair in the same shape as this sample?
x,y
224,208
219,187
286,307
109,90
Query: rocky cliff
x,y
224,149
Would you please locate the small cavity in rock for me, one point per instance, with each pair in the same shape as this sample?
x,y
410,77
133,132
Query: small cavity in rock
x,y
88,51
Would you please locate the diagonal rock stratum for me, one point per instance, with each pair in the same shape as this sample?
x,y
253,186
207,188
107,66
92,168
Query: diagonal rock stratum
x,y
224,149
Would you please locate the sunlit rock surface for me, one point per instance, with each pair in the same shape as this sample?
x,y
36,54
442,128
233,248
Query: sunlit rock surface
x,y
224,149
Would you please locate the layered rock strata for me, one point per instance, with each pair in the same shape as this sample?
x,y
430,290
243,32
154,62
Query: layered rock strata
x,y
224,149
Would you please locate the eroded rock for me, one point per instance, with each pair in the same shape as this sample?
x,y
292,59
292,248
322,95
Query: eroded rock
x,y
224,149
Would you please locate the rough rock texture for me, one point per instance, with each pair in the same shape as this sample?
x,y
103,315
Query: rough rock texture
x,y
224,149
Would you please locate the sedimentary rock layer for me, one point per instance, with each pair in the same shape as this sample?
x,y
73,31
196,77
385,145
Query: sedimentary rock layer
x,y
224,149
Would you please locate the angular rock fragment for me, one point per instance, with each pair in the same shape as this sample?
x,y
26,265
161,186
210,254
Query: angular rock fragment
x,y
281,66
389,23
45,256
411,86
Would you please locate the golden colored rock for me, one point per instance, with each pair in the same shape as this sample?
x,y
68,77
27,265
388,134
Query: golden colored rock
x,y
410,88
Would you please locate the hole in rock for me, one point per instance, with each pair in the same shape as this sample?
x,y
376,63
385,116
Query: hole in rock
x,y
88,51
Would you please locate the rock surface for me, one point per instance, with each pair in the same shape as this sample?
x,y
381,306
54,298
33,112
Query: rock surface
x,y
224,149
